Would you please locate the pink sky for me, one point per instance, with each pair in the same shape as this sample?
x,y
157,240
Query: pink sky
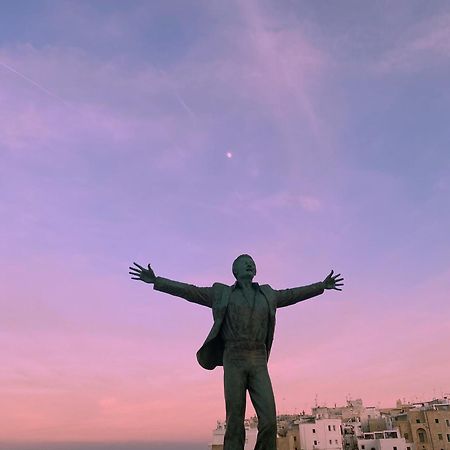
x,y
310,136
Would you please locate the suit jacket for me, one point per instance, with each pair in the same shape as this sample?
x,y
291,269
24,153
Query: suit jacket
x,y
217,297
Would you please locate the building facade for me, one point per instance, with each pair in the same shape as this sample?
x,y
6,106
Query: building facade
x,y
382,440
427,426
320,434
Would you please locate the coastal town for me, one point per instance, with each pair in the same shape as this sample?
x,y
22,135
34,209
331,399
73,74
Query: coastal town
x,y
355,426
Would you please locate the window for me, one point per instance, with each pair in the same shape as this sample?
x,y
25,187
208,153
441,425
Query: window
x,y
406,436
436,420
295,438
394,448
336,441
315,442
440,437
331,441
447,421
408,448
448,437
329,427
417,420
314,430
422,435
334,427
363,447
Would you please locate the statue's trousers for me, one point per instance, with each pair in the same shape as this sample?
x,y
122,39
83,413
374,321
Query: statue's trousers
x,y
246,369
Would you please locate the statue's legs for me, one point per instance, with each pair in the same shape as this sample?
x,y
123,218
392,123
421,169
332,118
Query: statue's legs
x,y
261,394
247,369
235,385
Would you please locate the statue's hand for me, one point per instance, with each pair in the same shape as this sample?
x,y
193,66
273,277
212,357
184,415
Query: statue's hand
x,y
333,281
140,273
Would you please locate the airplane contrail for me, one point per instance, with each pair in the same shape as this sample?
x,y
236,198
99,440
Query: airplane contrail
x,y
180,100
186,107
34,83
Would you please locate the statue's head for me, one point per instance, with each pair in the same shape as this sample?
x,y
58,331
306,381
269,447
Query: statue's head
x,y
244,267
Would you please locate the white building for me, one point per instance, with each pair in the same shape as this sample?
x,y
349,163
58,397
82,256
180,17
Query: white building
x,y
250,435
320,434
218,434
382,440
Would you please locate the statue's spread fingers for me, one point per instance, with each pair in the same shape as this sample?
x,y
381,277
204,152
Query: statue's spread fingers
x,y
337,289
135,271
337,275
135,278
339,284
134,274
339,280
140,267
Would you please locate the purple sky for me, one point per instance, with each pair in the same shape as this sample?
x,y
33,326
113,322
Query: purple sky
x,y
312,135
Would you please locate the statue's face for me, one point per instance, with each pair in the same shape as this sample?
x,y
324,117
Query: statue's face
x,y
244,267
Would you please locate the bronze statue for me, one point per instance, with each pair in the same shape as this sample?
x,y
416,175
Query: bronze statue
x,y
240,340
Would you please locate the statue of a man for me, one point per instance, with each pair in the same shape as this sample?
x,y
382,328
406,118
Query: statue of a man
x,y
240,340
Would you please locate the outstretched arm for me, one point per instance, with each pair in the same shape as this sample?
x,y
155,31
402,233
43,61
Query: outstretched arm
x,y
287,297
200,295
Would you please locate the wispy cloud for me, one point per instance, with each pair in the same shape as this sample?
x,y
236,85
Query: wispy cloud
x,y
422,45
288,200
